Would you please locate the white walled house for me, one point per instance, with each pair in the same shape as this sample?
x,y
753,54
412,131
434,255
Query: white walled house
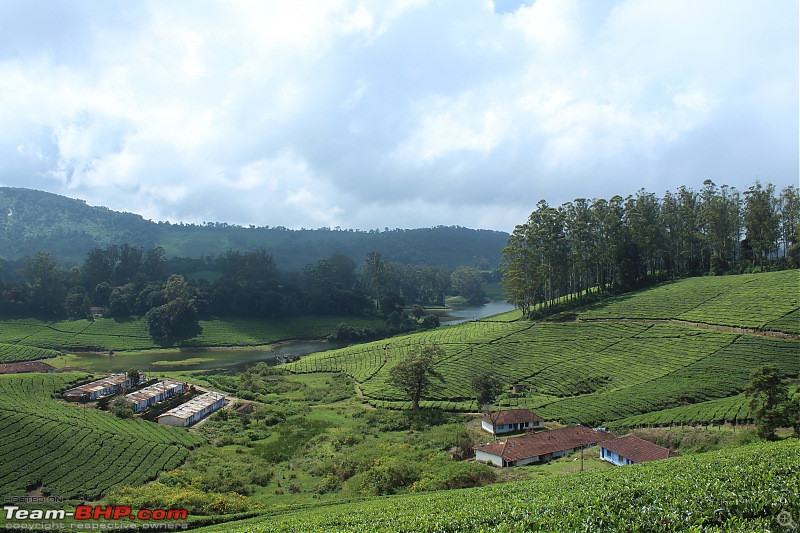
x,y
511,420
630,450
539,447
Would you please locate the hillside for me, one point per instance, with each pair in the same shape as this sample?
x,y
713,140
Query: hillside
x,y
680,343
73,452
34,221
744,489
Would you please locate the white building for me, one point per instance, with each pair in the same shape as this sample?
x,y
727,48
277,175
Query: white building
x,y
511,420
630,450
539,447
158,392
192,411
101,388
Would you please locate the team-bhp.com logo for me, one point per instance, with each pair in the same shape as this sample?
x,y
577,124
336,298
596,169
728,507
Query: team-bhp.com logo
x,y
96,512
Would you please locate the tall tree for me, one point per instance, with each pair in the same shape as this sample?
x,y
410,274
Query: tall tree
x,y
376,272
414,376
768,398
789,209
468,283
761,220
47,284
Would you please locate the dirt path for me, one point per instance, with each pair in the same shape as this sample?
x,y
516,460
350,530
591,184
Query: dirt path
x,y
700,325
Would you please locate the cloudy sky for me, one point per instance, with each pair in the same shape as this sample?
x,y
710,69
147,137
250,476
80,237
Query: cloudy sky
x,y
392,113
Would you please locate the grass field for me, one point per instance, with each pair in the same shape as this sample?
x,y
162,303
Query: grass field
x,y
72,452
599,371
103,334
744,489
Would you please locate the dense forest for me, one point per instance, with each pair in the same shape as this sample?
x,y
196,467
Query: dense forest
x,y
585,247
34,221
125,281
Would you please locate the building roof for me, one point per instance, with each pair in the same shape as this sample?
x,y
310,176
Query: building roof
x,y
638,450
194,406
155,389
537,444
512,416
25,366
114,380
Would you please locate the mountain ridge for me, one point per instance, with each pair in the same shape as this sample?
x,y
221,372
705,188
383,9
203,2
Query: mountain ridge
x,y
34,221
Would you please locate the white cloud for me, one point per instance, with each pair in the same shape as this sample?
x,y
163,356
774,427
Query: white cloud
x,y
406,113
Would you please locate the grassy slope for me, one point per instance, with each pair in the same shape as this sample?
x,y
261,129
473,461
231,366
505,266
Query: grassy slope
x,y
617,365
73,452
110,334
743,489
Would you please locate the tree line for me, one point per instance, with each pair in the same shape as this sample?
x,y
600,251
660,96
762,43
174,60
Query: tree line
x,y
615,245
124,281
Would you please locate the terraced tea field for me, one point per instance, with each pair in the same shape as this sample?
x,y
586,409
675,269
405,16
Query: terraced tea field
x,y
752,488
768,301
598,371
76,453
104,334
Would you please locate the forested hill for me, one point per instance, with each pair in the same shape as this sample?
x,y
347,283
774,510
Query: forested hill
x,y
34,221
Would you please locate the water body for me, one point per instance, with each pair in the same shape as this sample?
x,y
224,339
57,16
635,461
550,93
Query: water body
x,y
238,360
467,313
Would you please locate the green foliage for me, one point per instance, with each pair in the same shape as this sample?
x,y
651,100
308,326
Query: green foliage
x,y
468,283
486,388
121,408
222,471
742,489
14,353
769,399
293,434
413,375
593,372
732,410
196,501
69,229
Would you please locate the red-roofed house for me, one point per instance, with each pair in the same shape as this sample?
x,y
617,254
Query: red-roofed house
x,y
630,450
539,447
511,420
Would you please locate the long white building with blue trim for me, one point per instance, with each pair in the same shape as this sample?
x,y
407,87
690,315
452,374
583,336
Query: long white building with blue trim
x,y
193,411
152,394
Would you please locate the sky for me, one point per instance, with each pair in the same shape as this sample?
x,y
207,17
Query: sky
x,y
392,113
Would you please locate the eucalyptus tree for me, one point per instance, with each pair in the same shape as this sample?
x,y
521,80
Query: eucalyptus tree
x,y
522,270
580,241
789,212
643,218
761,221
721,219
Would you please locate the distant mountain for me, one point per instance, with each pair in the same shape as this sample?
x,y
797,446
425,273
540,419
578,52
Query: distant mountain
x,y
35,221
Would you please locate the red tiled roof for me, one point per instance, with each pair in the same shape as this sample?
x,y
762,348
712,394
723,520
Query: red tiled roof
x,y
638,450
27,366
513,416
537,444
